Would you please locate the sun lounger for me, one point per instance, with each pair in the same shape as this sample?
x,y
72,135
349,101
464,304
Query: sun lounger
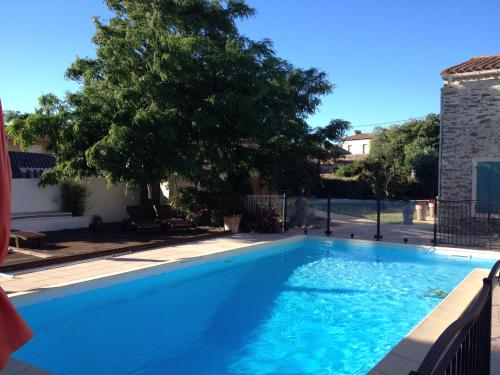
x,y
166,216
137,219
19,235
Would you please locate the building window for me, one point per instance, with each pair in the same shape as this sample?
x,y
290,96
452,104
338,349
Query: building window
x,y
364,148
487,191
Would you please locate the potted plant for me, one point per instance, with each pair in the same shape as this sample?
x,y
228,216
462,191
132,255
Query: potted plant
x,y
231,205
97,223
232,223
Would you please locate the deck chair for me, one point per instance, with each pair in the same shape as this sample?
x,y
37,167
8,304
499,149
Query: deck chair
x,y
166,216
137,219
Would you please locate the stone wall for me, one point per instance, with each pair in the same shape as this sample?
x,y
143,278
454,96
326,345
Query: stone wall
x,y
470,129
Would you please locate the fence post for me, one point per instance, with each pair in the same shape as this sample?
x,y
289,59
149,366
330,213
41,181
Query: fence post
x,y
378,237
328,231
434,238
285,204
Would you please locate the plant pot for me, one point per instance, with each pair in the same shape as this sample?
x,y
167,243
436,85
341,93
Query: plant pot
x,y
432,206
97,224
421,211
232,223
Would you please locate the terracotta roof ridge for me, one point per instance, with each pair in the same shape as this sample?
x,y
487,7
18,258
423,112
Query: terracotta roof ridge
x,y
474,64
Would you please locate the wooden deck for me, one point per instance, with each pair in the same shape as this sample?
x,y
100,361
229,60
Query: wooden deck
x,y
72,245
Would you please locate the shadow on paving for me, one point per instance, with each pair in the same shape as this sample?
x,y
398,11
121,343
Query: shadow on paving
x,y
76,244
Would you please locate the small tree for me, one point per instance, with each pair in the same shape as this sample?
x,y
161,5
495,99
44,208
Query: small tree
x,y
398,152
74,196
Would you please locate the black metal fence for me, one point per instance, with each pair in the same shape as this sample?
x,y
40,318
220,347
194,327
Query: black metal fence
x,y
468,223
465,346
436,221
368,219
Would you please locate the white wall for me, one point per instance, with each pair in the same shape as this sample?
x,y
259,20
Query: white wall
x,y
110,203
357,146
171,187
27,196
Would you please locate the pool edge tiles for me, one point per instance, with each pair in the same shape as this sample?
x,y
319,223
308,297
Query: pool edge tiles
x,y
32,294
409,353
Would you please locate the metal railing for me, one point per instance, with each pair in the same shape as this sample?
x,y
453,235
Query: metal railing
x,y
393,220
261,204
465,346
468,223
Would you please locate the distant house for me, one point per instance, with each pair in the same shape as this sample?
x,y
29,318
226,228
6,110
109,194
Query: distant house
x,y
358,143
469,167
357,147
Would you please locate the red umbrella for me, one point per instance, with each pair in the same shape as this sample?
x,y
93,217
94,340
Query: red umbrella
x,y
13,330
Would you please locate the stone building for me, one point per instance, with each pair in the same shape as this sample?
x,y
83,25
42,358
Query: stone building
x,y
469,167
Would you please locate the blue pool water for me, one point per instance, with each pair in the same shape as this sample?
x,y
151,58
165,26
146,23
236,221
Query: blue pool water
x,y
306,307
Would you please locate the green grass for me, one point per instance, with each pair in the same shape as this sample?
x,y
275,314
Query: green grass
x,y
390,213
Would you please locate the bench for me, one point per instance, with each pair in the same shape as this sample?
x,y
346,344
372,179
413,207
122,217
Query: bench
x,y
18,235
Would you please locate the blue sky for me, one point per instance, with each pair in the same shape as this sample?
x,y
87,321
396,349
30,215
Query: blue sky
x,y
383,56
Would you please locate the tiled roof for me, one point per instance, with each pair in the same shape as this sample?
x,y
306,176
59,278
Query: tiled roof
x,y
359,136
475,64
29,164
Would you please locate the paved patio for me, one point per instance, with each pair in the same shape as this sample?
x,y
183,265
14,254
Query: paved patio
x,y
78,244
40,279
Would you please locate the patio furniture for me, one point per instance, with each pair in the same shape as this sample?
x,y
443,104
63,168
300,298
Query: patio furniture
x,y
138,220
166,216
19,235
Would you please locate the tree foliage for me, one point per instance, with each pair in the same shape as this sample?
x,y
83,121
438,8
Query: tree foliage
x,y
403,159
176,89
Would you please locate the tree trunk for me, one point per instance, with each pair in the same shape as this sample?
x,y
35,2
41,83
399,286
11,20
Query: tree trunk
x,y
144,196
154,192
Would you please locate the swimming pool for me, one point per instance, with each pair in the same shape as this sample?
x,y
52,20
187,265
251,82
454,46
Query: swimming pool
x,y
306,306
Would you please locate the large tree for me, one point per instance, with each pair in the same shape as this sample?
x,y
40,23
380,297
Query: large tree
x,y
176,89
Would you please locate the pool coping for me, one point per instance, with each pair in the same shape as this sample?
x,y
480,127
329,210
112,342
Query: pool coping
x,y
60,290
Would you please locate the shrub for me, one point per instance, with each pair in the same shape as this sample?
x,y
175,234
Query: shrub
x,y
206,207
74,196
357,187
266,222
351,170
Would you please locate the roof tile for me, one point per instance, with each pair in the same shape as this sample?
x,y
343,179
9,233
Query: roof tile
x,y
22,161
475,64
